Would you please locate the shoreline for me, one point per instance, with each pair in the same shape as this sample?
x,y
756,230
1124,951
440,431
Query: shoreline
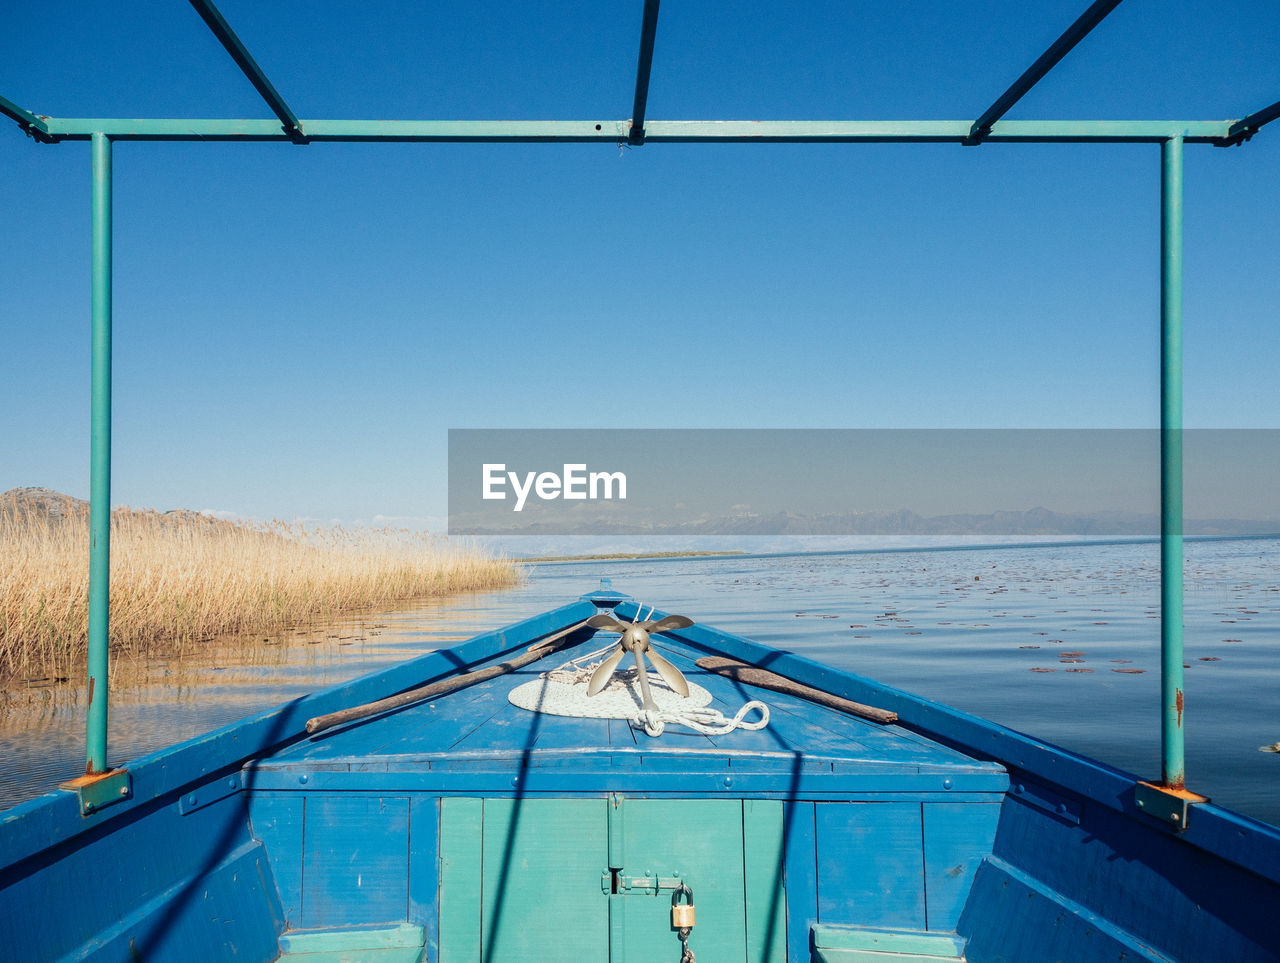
x,y
180,579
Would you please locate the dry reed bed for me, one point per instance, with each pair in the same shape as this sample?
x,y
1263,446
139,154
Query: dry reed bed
x,y
180,578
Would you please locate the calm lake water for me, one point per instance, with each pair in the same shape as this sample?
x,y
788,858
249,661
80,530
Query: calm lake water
x,y
1062,643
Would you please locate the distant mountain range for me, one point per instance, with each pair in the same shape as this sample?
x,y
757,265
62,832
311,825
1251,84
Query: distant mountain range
x,y
28,505
1032,522
44,504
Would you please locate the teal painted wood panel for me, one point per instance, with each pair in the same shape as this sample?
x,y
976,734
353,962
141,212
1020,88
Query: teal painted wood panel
x,y
766,909
870,861
901,943
355,865
957,837
394,944
401,954
461,844
699,841
276,819
542,864
832,955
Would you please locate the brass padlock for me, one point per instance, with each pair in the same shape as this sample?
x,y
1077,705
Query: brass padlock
x,y
682,913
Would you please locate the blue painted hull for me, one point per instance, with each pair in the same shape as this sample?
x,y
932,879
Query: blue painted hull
x,y
427,833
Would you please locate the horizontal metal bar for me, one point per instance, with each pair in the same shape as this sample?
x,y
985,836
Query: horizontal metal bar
x,y
425,131
1245,128
668,131
935,131
1046,62
29,122
244,60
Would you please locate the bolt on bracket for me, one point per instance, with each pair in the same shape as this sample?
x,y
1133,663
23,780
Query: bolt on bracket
x,y
99,790
1172,806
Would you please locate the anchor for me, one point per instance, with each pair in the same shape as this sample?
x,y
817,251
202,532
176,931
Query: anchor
x,y
635,639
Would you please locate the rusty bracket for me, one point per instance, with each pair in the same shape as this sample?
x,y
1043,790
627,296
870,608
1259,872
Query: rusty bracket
x,y
1172,806
99,790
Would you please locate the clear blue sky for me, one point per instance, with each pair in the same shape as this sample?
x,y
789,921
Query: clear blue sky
x,y
296,328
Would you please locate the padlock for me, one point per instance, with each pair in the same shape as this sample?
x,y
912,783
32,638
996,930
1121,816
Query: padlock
x,y
682,913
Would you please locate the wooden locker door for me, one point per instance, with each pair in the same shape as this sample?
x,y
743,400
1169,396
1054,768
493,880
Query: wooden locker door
x,y
729,852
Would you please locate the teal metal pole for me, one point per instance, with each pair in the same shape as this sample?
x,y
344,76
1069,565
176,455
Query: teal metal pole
x,y
100,462
1172,742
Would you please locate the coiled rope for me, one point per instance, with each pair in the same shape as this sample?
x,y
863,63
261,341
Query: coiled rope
x,y
563,691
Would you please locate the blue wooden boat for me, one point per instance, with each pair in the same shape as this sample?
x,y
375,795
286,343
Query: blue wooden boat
x,y
465,827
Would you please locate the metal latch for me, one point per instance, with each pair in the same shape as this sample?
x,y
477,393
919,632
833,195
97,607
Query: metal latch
x,y
616,883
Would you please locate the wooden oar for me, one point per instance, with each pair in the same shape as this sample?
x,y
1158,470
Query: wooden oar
x,y
750,674
444,686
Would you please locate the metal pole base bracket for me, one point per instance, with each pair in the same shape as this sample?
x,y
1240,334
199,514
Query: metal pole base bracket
x,y
1168,805
99,790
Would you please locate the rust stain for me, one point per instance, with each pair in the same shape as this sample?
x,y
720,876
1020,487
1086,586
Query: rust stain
x,y
1179,704
1178,789
91,681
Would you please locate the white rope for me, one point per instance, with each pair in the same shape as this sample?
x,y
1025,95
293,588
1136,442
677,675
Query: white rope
x,y
710,722
579,669
563,691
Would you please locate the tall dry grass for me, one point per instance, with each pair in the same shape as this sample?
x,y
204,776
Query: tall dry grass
x,y
180,578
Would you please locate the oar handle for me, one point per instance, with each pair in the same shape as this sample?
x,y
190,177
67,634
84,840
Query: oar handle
x,y
443,686
750,674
